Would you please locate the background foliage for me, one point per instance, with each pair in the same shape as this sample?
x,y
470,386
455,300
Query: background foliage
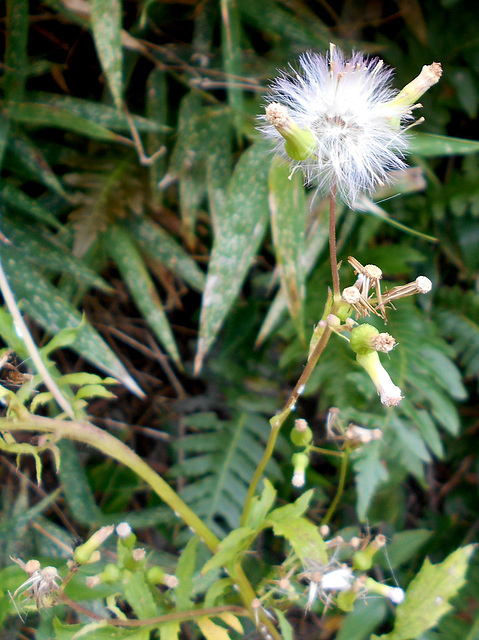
x,y
169,264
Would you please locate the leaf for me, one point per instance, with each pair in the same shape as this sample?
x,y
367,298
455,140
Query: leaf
x,y
170,630
232,57
159,245
42,301
30,156
404,546
230,548
284,626
261,505
303,536
232,621
16,57
212,631
15,198
106,20
288,219
157,111
370,473
53,116
428,595
219,462
366,616
138,595
430,145
184,572
76,488
122,249
240,232
294,510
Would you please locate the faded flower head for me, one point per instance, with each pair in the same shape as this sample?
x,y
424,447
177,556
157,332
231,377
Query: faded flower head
x,y
341,121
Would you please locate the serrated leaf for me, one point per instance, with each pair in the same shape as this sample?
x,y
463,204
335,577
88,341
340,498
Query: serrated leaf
x,y
184,572
94,391
231,547
42,301
261,505
106,20
294,510
287,205
370,473
212,631
431,146
428,595
240,232
304,537
122,249
159,245
138,595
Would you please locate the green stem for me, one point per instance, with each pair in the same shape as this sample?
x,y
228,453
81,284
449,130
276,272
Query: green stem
x,y
114,448
339,492
332,246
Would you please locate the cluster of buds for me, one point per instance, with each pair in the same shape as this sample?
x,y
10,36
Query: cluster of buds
x,y
129,558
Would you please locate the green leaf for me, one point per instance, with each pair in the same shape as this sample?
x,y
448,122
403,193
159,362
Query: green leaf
x,y
138,595
34,161
106,20
76,488
52,116
366,616
235,543
287,205
170,630
157,111
185,569
261,505
284,625
16,58
370,473
159,245
42,301
368,206
428,595
303,536
122,249
404,546
15,198
240,232
212,631
232,56
430,145
294,510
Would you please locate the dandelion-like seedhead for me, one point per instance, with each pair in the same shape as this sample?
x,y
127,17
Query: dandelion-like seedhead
x,y
341,121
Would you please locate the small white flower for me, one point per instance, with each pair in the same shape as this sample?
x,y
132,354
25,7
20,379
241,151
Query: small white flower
x,y
342,122
123,530
337,580
395,594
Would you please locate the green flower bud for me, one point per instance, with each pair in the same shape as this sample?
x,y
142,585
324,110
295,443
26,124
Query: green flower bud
x,y
84,552
301,435
361,337
300,143
300,464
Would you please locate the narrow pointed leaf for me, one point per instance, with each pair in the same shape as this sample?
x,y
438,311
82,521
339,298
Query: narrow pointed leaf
x,y
16,58
159,245
11,195
106,18
288,219
122,249
431,146
42,302
157,111
34,161
241,229
232,56
212,631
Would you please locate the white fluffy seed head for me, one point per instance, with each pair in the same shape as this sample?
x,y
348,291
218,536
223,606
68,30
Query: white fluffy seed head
x,y
424,285
349,107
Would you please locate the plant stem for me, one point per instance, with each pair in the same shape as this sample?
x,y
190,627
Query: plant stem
x,y
114,448
339,492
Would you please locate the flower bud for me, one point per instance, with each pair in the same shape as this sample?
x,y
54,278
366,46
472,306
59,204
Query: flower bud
x,y
389,393
301,435
363,560
84,552
362,338
395,594
300,143
300,464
